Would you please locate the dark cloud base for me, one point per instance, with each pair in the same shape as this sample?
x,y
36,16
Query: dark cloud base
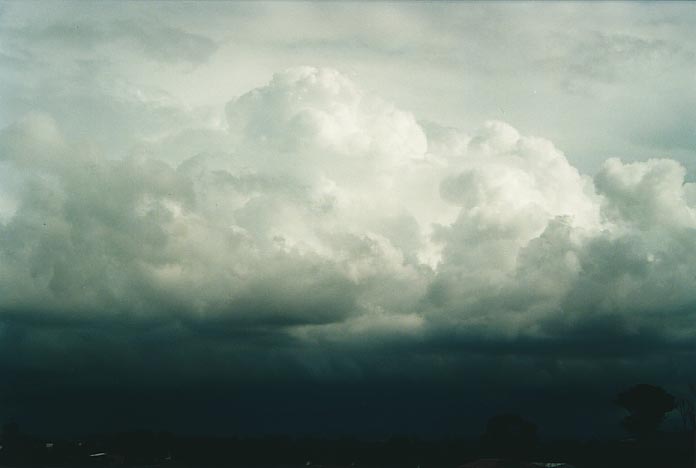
x,y
91,378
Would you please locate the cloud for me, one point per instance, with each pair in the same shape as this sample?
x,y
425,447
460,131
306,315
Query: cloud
x,y
325,234
605,59
161,43
305,111
648,194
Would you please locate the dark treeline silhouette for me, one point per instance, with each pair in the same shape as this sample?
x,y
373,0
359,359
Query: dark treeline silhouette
x,y
509,440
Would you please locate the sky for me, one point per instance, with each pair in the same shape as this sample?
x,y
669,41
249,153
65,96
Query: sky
x,y
344,218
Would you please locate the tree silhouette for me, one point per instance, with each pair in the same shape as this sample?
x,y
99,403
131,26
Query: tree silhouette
x,y
510,436
687,411
647,406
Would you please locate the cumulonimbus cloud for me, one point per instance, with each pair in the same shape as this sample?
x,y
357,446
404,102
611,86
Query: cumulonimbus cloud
x,y
328,217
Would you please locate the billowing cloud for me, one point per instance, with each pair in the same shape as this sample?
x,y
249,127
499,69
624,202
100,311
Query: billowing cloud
x,y
323,233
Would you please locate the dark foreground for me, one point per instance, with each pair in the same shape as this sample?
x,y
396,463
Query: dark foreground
x,y
148,448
